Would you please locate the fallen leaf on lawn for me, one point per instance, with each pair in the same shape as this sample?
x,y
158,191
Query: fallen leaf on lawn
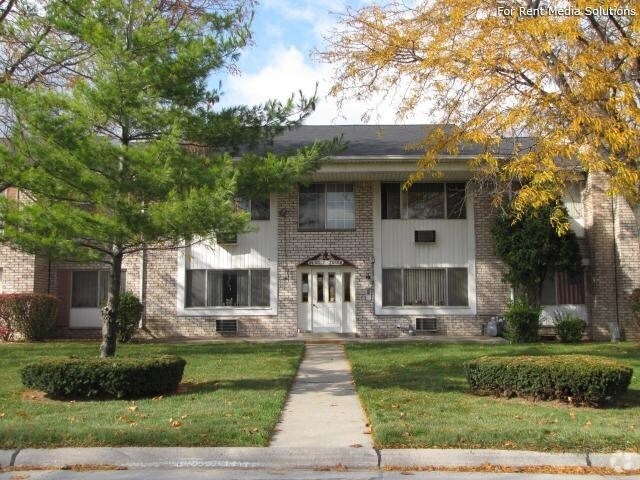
x,y
517,417
183,416
228,414
159,397
407,434
587,424
133,408
395,406
2,414
402,414
176,424
356,445
255,429
572,414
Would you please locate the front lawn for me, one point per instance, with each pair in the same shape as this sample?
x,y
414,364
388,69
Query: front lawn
x,y
416,395
231,395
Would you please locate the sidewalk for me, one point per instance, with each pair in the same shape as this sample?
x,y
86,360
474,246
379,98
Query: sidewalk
x,y
323,409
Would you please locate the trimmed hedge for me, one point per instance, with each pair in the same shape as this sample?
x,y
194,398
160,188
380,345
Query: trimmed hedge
x,y
116,377
581,379
31,314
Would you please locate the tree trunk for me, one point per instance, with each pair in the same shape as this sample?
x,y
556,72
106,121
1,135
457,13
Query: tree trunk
x,y
110,310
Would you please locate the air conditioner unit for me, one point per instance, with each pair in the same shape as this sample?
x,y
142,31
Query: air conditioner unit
x,y
228,326
425,236
426,325
224,238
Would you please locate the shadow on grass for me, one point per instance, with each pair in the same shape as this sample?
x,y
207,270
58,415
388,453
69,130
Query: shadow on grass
x,y
259,384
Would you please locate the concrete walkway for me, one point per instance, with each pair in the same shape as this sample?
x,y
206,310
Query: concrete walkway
x,y
323,409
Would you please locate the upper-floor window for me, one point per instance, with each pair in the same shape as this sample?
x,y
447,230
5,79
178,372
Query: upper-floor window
x,y
326,206
424,201
260,208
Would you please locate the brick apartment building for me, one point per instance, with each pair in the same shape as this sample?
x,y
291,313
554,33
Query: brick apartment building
x,y
350,252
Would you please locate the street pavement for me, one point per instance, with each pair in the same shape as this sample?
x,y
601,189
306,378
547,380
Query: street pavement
x,y
202,474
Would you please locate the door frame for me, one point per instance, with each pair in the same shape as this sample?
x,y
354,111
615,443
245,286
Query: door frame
x,y
306,308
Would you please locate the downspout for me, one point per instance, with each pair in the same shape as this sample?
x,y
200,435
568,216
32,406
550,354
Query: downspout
x,y
615,265
143,290
49,278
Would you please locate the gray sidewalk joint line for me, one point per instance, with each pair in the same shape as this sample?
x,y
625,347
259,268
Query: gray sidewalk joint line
x,y
588,459
379,455
12,462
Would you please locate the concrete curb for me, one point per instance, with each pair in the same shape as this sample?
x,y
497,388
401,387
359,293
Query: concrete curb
x,y
620,461
466,458
182,457
5,457
309,458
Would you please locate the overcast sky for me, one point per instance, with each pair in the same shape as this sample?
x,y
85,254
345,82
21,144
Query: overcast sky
x,y
279,63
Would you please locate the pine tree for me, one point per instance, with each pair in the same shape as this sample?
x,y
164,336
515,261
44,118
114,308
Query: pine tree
x,y
132,150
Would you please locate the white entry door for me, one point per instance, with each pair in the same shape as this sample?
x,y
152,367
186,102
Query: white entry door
x,y
327,302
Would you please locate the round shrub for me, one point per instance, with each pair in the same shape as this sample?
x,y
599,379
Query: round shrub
x,y
569,328
522,322
116,376
129,313
33,315
581,379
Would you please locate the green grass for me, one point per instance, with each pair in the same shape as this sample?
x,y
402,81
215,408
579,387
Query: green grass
x,y
416,395
232,395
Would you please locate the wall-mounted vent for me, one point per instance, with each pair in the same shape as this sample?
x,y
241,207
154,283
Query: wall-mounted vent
x,y
425,236
227,326
429,325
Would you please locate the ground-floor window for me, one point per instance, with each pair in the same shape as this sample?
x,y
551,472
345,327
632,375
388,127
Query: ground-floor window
x,y
228,288
90,288
424,287
560,288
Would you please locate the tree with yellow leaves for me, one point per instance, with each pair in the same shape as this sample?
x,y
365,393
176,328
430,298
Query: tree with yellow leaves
x,y
563,73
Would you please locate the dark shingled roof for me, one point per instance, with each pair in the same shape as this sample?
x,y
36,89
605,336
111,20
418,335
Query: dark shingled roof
x,y
380,140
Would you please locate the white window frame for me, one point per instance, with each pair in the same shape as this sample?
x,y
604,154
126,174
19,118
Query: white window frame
x,y
181,311
325,217
249,284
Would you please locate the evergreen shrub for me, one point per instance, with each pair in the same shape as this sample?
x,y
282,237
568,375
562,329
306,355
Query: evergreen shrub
x,y
580,379
522,322
115,376
569,328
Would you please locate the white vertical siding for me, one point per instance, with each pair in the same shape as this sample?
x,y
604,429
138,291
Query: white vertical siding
x,y
399,249
256,249
395,247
